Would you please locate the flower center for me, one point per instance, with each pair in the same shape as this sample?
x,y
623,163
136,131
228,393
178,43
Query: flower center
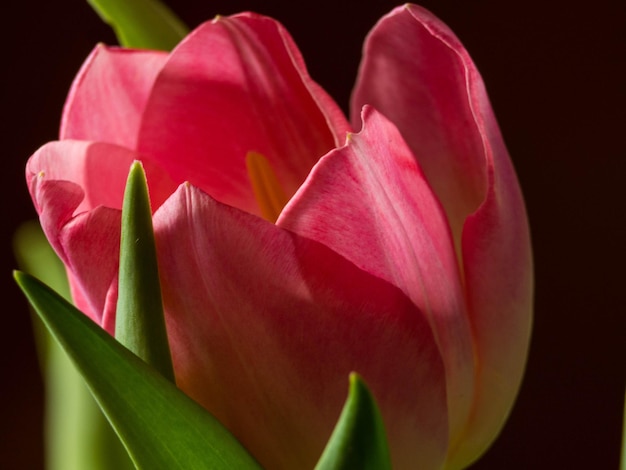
x,y
267,190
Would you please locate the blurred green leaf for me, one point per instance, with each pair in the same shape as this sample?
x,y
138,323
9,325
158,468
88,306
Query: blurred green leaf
x,y
359,439
139,320
77,434
35,255
160,426
142,24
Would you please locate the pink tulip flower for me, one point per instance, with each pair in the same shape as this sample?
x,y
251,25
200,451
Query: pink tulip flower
x,y
293,251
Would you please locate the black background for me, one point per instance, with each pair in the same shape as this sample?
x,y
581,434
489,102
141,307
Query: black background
x,y
554,72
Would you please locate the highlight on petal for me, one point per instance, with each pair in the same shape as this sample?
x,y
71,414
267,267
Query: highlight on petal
x,y
279,321
237,85
99,169
370,202
109,94
417,73
77,188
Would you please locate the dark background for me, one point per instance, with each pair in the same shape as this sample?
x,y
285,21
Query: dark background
x,y
554,71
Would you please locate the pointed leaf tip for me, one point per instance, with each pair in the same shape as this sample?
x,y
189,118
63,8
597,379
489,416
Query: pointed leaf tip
x,y
140,321
359,439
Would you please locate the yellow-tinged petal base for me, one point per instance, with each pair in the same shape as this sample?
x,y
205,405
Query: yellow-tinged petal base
x,y
267,190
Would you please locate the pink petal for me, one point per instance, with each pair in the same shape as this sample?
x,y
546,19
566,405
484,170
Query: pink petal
x,y
235,85
91,244
86,243
77,188
499,282
109,94
266,325
418,74
414,71
370,202
100,169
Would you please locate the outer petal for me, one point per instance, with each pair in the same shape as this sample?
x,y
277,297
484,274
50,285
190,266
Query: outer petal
x,y
419,75
236,85
499,282
109,94
266,325
370,202
83,225
414,71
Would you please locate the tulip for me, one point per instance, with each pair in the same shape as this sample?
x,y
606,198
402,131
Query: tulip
x,y
292,250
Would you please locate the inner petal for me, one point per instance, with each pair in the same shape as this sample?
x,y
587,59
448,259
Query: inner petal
x,y
267,190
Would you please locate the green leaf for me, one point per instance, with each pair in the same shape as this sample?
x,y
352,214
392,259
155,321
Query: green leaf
x,y
142,24
77,434
35,255
139,320
160,426
359,439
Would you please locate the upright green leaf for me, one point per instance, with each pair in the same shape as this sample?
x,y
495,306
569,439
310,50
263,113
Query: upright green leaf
x,y
359,439
143,24
159,425
139,320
